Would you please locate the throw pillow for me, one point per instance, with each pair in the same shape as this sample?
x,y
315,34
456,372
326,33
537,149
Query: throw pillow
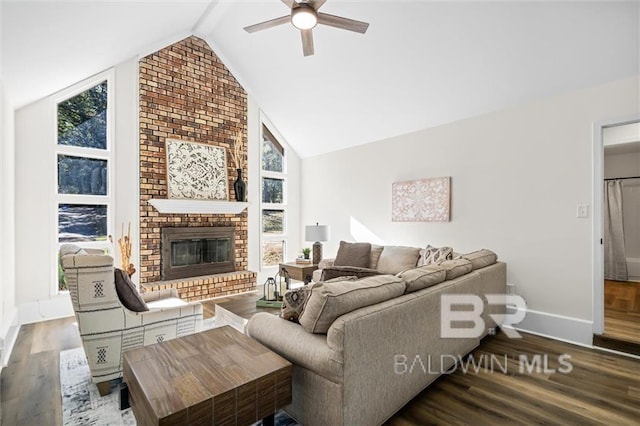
x,y
434,255
376,251
353,254
127,292
481,258
340,271
293,303
394,259
294,300
328,301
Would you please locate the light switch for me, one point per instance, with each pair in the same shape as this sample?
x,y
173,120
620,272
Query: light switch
x,y
582,211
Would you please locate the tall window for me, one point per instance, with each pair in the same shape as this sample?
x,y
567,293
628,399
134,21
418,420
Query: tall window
x,y
274,207
83,159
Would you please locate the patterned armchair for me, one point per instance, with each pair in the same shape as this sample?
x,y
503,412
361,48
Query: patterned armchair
x,y
107,328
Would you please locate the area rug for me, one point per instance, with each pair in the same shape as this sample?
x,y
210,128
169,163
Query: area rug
x,y
83,405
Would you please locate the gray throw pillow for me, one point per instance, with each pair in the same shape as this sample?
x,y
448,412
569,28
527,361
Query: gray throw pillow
x,y
127,292
340,271
435,255
353,254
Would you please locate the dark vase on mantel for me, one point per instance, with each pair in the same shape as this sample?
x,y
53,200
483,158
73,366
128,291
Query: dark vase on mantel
x,y
239,187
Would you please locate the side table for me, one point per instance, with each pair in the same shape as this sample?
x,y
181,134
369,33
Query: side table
x,y
298,271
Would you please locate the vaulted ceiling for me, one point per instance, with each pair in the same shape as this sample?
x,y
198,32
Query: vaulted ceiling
x,y
420,64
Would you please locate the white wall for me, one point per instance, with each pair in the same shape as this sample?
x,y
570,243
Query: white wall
x,y
35,206
8,311
293,238
517,176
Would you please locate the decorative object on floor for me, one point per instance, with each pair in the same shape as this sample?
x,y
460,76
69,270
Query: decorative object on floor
x,y
423,200
304,16
196,171
239,186
81,402
124,243
270,293
317,233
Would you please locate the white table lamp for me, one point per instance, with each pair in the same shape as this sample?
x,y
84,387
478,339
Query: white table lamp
x,y
316,233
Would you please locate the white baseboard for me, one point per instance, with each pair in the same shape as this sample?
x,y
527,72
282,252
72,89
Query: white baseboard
x,y
41,310
559,327
10,334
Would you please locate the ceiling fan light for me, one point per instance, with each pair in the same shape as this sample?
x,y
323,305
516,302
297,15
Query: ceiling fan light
x,y
304,17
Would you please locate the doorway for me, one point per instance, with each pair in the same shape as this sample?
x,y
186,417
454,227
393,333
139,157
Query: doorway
x,y
617,295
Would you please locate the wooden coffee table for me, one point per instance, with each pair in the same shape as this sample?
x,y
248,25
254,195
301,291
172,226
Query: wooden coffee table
x,y
218,376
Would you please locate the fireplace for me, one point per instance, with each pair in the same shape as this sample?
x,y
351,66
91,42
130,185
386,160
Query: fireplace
x,y
195,251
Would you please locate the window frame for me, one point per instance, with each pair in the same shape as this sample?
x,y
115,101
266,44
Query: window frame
x,y
107,154
267,134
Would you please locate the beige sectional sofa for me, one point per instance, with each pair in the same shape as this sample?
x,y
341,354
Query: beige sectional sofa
x,y
354,374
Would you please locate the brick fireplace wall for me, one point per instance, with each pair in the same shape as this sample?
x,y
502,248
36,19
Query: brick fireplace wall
x,y
187,93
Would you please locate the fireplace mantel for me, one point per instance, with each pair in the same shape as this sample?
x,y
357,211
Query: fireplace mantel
x,y
197,206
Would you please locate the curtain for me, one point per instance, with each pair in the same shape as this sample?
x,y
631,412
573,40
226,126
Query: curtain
x,y
615,259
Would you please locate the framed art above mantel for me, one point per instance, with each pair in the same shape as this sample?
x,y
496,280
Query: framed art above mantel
x,y
196,171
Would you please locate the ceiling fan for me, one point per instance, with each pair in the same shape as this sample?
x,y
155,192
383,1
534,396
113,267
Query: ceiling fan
x,y
304,16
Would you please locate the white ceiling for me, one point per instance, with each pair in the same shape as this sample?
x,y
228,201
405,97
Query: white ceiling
x,y
421,63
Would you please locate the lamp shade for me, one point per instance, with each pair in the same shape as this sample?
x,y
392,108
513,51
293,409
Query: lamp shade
x,y
316,233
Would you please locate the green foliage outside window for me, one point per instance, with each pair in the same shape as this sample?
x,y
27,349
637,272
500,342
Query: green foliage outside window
x,y
82,120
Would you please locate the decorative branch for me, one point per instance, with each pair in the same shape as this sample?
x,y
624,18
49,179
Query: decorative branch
x,y
237,154
125,251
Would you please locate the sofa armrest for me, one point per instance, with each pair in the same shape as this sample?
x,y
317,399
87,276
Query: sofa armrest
x,y
293,343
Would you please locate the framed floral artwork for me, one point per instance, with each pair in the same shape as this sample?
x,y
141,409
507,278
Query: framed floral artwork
x,y
196,171
423,200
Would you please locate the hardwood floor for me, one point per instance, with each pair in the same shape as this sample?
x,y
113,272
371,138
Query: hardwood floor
x,y
601,388
622,310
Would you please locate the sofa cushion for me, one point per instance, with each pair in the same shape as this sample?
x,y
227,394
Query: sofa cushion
x,y
394,259
341,271
456,267
353,254
423,277
376,251
127,292
328,301
435,255
481,258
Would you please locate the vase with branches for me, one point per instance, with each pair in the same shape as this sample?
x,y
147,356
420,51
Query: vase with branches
x,y
237,155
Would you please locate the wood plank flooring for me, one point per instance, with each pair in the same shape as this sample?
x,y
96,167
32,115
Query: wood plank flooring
x,y
601,388
622,310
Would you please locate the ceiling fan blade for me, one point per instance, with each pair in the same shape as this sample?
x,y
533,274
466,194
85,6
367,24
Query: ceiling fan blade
x,y
317,4
307,42
268,24
343,23
290,3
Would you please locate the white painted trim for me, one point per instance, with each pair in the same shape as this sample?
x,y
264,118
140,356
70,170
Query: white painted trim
x,y
558,327
598,218
611,351
197,206
42,310
10,335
